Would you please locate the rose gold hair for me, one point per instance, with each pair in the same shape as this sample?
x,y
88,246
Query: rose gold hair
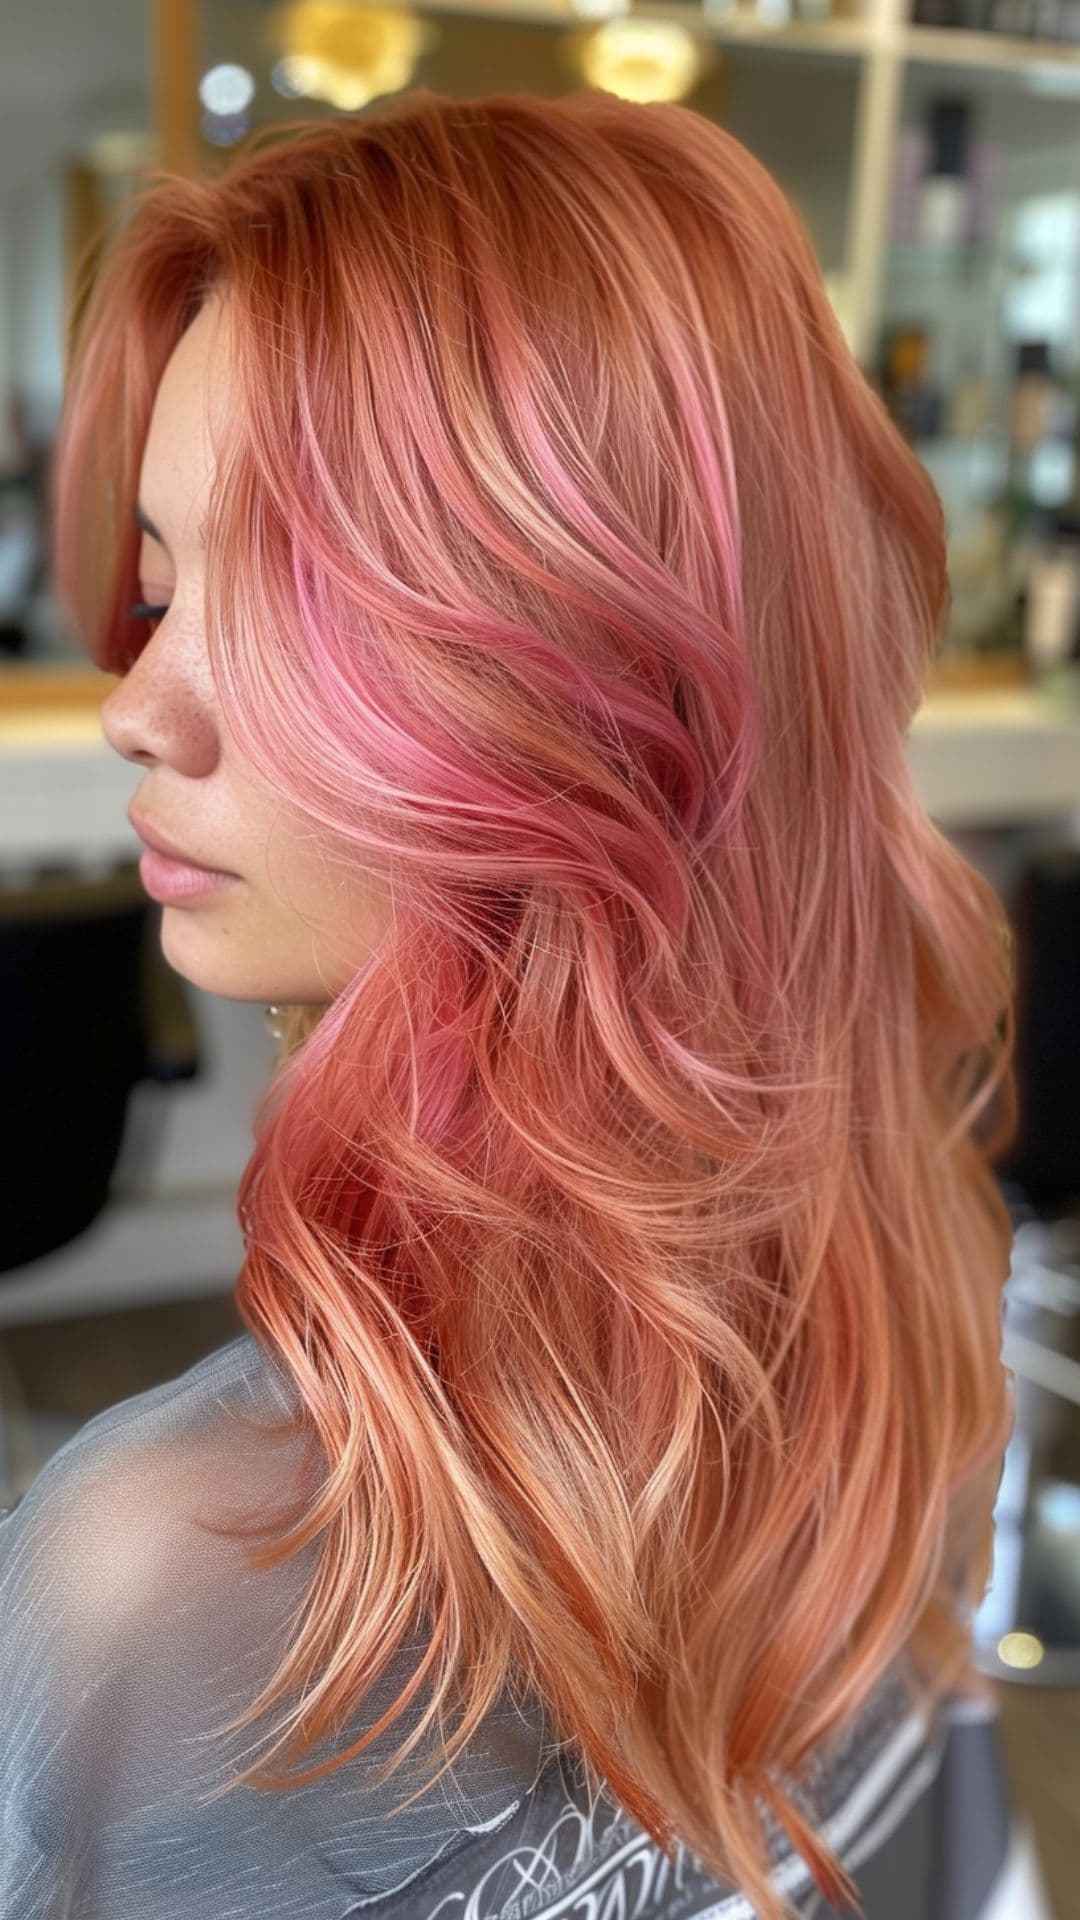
x,y
625,1224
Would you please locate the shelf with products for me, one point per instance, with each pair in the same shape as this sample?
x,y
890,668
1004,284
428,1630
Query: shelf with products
x,y
1052,23
948,315
1028,31
831,95
865,45
825,91
978,348
1012,54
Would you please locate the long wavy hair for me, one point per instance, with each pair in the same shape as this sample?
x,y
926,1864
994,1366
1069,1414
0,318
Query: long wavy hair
x,y
627,1224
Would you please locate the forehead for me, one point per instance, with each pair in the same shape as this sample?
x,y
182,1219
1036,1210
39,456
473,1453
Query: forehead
x,y
178,458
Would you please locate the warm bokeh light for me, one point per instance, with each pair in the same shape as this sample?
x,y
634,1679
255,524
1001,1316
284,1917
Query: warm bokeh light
x,y
346,55
1020,1649
644,59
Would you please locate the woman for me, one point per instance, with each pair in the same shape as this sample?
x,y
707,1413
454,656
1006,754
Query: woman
x,y
531,600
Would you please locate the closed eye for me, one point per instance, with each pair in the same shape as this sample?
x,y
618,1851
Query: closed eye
x,y
143,610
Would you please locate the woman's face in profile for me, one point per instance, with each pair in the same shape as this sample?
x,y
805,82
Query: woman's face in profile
x,y
299,917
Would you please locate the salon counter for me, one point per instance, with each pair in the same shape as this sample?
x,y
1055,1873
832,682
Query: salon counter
x,y
991,766
981,758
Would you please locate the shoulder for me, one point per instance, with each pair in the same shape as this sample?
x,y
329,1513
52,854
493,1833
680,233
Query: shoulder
x,y
125,1624
131,1640
241,1368
94,1542
125,1438
240,1374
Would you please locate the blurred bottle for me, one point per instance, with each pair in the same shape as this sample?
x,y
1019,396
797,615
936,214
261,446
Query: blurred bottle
x,y
1051,627
912,151
1015,17
968,404
944,193
1057,20
912,397
981,219
985,198
1050,596
937,13
950,13
1040,405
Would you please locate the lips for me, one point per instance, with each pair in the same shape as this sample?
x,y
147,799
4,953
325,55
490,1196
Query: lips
x,y
161,844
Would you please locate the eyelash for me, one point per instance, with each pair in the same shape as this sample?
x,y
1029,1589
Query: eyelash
x,y
144,610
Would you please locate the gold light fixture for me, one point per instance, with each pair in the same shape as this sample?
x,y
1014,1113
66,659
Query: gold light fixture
x,y
346,54
642,59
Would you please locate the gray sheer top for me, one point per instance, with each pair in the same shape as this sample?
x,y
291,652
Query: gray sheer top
x,y
127,1633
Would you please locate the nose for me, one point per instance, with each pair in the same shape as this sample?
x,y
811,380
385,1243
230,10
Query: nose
x,y
147,721
120,733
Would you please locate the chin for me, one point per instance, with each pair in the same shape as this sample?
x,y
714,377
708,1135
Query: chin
x,y
193,951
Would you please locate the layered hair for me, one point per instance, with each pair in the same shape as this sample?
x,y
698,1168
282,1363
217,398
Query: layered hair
x,y
628,1223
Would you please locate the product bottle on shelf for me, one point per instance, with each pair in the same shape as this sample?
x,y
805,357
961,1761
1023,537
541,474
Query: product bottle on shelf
x,y
912,151
1040,407
913,399
1012,17
944,198
1051,615
968,404
985,164
1051,630
936,13
1050,19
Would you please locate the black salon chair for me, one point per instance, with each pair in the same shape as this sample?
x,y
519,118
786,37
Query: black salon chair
x,y
88,1008
1028,1627
1044,1158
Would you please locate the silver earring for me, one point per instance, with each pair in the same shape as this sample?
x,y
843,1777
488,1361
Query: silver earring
x,y
272,1017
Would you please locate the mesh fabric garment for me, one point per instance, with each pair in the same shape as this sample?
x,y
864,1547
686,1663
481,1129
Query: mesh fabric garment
x,y
127,1635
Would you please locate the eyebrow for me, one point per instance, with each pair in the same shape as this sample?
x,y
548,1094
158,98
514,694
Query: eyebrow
x,y
142,519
